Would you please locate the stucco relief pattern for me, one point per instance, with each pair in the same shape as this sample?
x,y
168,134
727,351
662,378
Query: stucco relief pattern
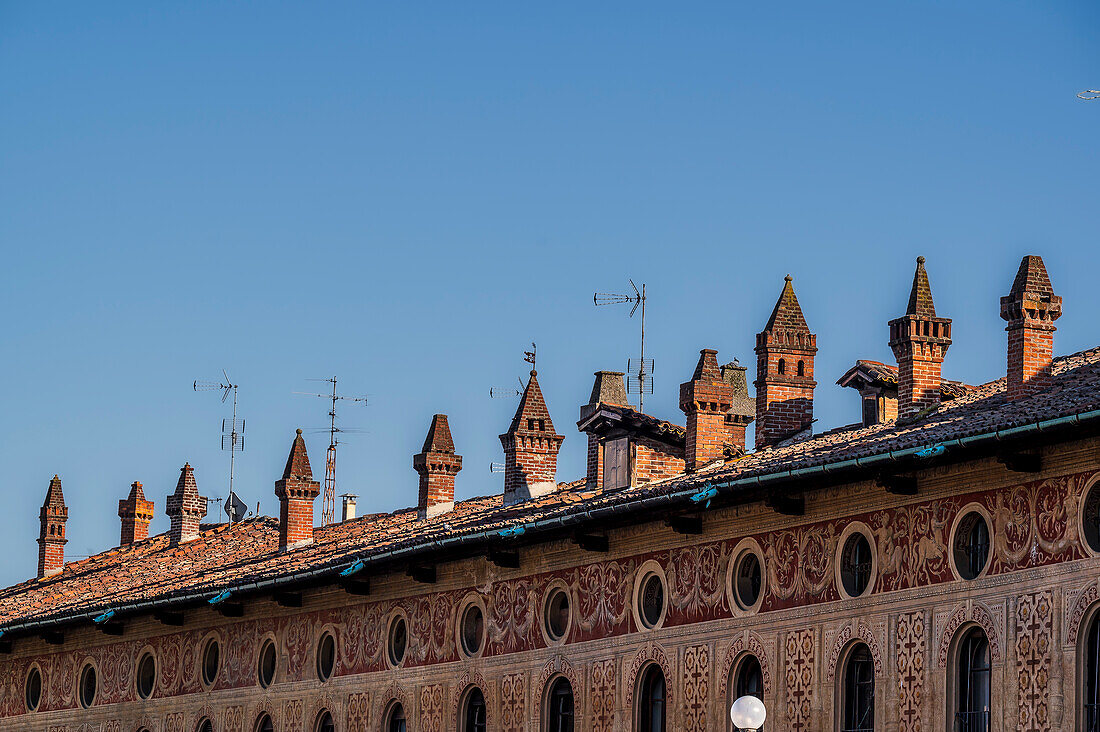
x,y
358,711
1034,641
800,652
696,687
234,719
431,708
911,666
747,642
603,695
513,702
970,612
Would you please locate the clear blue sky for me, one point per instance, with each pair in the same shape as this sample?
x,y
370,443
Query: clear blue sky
x,y
405,195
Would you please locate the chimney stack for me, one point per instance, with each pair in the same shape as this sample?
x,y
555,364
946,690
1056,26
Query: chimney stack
x,y
348,506
136,513
608,388
530,448
919,340
51,537
296,491
1030,308
705,400
743,409
785,383
185,508
437,465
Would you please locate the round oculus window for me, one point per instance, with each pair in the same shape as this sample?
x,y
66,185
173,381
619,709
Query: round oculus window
x,y
398,640
651,600
146,676
266,670
971,550
211,661
472,631
748,578
326,657
557,614
88,686
32,692
1090,517
856,562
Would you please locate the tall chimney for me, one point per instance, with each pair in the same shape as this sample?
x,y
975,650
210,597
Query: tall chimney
x,y
785,352
136,513
919,340
185,508
608,388
705,400
437,465
1030,308
51,536
296,491
348,506
530,448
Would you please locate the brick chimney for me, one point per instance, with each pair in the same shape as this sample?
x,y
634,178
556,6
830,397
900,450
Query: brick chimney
x,y
136,513
296,491
185,508
608,388
51,537
705,400
1030,309
437,465
784,383
919,340
743,409
530,448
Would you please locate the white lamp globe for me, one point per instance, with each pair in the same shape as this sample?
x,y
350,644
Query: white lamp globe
x,y
748,712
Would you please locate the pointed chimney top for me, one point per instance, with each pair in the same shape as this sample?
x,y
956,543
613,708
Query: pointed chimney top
x,y
1032,278
787,313
186,485
707,368
297,463
136,492
439,436
608,388
920,297
54,497
532,406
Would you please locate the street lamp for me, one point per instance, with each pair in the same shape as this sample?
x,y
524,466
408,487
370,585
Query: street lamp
x,y
748,713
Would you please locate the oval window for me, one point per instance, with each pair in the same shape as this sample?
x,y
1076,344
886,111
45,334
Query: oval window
x,y
856,562
557,614
399,639
473,630
971,550
747,581
146,676
33,689
326,657
651,600
266,670
88,686
211,662
1090,517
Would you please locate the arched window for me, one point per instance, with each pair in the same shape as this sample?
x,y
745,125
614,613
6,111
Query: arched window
x,y
781,367
801,368
205,726
858,701
474,716
559,706
325,723
264,723
748,680
972,695
1092,676
651,700
395,720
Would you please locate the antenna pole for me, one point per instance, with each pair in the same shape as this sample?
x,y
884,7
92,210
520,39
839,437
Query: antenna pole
x,y
233,441
328,503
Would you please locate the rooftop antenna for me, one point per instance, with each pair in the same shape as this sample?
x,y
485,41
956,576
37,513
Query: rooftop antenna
x,y
641,379
505,392
1089,94
328,503
232,430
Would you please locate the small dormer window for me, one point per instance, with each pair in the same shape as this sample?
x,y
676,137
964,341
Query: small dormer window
x,y
781,367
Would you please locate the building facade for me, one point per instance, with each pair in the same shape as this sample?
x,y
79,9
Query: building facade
x,y
937,571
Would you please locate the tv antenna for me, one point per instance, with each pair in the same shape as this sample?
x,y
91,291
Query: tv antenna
x,y
233,429
641,378
1089,94
505,392
328,503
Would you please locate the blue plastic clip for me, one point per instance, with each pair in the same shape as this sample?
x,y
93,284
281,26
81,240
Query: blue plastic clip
x,y
708,492
100,620
355,567
931,451
512,532
220,597
2,633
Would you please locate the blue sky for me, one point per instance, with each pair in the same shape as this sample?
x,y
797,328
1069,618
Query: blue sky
x,y
406,195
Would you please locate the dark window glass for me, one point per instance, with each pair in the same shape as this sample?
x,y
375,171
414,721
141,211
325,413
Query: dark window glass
x,y
205,726
211,658
557,614
971,546
326,657
1092,677
801,368
859,692
855,565
146,676
652,602
87,686
747,581
750,681
781,367
267,664
561,706
651,706
264,724
972,700
397,719
325,723
1090,518
33,689
399,638
475,712
473,630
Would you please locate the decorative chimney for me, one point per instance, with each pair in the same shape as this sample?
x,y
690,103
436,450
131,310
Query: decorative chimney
x,y
1030,309
136,513
51,537
784,383
609,388
919,340
743,409
348,508
530,448
296,491
437,465
185,508
705,400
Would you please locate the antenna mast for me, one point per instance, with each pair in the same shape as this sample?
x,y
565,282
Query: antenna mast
x,y
643,374
232,431
328,502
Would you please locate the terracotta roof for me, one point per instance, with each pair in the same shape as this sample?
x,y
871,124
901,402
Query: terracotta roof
x,y
632,420
247,552
886,375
